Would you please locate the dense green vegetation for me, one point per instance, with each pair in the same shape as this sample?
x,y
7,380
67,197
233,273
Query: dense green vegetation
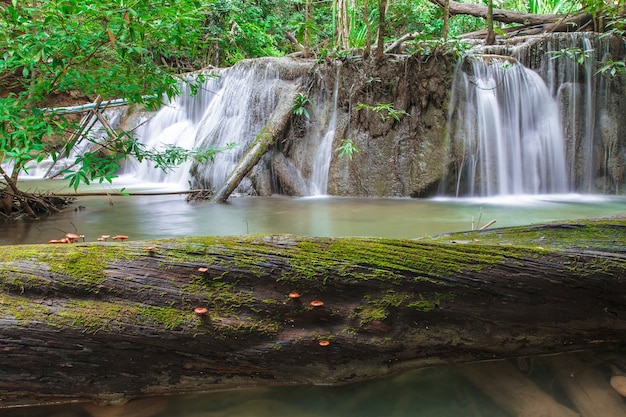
x,y
137,50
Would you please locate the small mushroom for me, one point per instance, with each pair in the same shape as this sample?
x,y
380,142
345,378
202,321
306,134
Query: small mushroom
x,y
73,237
203,269
294,295
324,343
201,311
103,238
317,303
120,237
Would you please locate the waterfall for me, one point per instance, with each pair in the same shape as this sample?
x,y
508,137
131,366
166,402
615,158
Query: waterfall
x,y
505,131
52,168
569,69
231,107
323,155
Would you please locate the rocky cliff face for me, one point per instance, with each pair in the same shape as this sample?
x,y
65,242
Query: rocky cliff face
x,y
394,112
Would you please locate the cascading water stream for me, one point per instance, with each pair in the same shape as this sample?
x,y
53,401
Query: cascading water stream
x,y
232,107
323,156
573,82
53,168
507,127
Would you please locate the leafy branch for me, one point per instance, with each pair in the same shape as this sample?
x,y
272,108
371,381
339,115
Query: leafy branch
x,y
384,110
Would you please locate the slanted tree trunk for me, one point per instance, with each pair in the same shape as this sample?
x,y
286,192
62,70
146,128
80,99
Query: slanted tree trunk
x,y
274,128
113,321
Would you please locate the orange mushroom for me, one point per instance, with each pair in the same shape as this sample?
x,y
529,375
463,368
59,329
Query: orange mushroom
x,y
317,303
201,311
203,269
324,342
73,237
294,295
120,237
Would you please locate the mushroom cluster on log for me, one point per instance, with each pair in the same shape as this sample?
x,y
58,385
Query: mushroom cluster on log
x,y
111,321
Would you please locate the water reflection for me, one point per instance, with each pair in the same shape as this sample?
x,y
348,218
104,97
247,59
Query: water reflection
x,y
557,385
438,392
153,217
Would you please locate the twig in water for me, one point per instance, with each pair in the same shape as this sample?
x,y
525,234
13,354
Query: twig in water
x,y
488,224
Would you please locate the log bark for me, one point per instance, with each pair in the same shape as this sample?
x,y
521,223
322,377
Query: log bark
x,y
274,128
505,16
108,322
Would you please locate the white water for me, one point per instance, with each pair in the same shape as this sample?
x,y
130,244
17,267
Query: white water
x,y
507,126
576,88
230,108
49,168
323,156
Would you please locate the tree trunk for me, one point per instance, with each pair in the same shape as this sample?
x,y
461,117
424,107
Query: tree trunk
x,y
380,48
446,20
368,31
274,128
111,321
491,34
563,22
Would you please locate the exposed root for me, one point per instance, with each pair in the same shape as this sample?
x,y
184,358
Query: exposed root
x,y
19,205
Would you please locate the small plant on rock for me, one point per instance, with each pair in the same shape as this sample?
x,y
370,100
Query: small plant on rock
x,y
301,102
347,148
384,110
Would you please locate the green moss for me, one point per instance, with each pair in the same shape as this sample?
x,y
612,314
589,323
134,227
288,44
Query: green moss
x,y
596,234
93,316
17,308
379,308
170,318
221,296
83,265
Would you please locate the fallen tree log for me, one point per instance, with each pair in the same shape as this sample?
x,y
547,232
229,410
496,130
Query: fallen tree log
x,y
274,128
107,322
509,16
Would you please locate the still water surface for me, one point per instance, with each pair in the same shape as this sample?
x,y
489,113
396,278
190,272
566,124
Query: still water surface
x,y
153,217
438,392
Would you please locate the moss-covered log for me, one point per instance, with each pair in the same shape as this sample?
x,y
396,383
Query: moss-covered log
x,y
113,321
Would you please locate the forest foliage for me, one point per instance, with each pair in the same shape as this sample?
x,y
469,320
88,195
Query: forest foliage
x,y
138,51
